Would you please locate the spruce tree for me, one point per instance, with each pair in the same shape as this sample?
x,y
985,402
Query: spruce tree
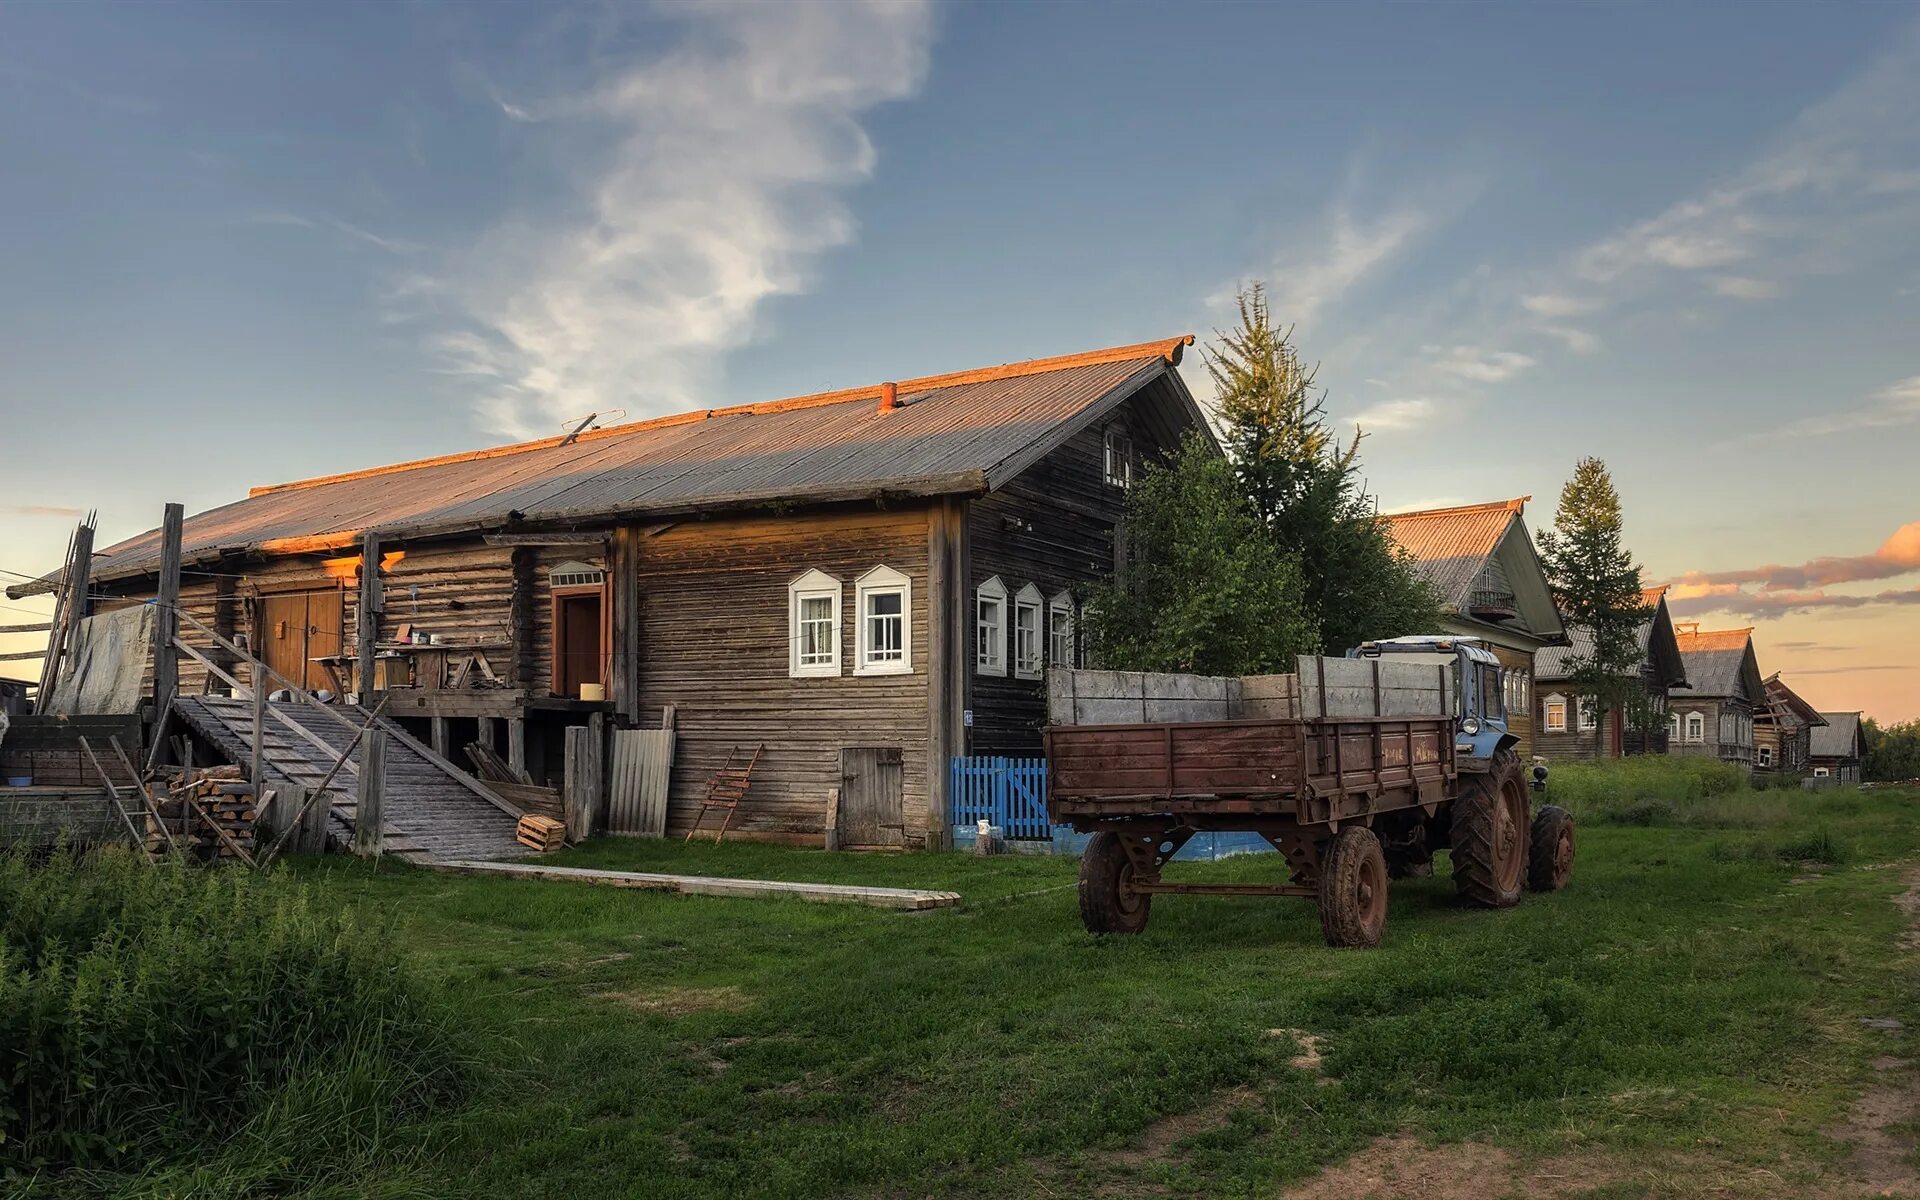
x,y
1597,586
1305,487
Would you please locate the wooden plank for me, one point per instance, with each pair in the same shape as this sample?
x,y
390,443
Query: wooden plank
x,y
26,628
623,593
367,620
582,788
556,538
166,625
905,899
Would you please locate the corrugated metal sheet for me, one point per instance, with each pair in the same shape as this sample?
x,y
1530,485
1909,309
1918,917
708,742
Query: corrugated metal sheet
x,y
956,434
1451,546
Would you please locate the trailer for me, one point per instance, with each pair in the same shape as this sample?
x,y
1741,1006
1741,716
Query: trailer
x,y
1355,769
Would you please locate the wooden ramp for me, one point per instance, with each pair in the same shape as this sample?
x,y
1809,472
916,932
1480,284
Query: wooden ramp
x,y
431,812
910,899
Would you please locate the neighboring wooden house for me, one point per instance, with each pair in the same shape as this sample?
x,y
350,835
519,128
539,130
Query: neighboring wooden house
x,y
864,582
1481,561
1570,726
1839,747
1715,716
1783,730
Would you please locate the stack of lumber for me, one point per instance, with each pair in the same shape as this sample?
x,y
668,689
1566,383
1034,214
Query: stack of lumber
x,y
513,787
541,833
209,811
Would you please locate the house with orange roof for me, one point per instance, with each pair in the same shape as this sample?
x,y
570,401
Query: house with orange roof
x,y
1570,726
844,589
1783,730
1715,716
1481,561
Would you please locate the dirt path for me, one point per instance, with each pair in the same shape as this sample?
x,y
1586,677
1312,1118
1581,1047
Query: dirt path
x,y
1881,1124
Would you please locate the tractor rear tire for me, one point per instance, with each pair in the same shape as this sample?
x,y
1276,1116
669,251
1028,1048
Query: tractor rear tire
x,y
1550,863
1108,903
1491,835
1353,889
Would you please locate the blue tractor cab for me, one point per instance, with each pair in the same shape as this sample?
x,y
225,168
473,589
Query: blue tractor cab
x,y
1480,706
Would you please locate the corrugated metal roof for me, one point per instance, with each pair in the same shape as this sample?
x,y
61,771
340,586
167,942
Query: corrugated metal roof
x,y
958,433
1839,737
1451,546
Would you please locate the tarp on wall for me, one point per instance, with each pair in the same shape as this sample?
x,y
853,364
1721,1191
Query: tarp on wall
x,y
104,667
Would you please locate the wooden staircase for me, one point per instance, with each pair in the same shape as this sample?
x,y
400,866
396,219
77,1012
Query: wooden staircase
x,y
725,791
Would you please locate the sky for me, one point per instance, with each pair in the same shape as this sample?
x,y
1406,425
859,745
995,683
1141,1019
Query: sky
x,y
251,243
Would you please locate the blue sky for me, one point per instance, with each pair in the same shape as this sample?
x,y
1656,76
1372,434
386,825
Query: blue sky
x,y
252,243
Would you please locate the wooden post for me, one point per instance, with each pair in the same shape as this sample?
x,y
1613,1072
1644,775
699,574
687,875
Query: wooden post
x,y
70,610
581,786
623,561
485,734
442,736
369,798
517,747
257,772
367,621
946,672
166,625
603,778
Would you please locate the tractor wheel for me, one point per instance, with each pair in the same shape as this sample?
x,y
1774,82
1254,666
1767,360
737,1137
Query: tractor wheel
x,y
1490,835
1550,864
1108,903
1353,889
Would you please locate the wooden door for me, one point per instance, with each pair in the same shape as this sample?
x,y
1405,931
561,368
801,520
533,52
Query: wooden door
x,y
296,627
872,789
577,648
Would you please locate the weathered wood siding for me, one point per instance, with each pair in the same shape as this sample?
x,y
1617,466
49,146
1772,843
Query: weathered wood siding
x,y
713,639
1053,527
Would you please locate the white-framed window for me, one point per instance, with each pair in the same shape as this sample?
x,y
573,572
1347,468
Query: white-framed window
x,y
813,625
1556,713
883,603
1673,726
1821,772
1696,727
1765,756
1060,630
1119,457
990,628
1589,713
1027,647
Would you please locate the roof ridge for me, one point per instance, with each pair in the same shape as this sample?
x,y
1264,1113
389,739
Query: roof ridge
x,y
1517,505
1167,348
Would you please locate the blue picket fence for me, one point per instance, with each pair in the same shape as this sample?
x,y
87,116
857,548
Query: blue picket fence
x,y
1010,793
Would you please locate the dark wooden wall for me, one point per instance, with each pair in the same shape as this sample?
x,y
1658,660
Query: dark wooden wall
x,y
1052,527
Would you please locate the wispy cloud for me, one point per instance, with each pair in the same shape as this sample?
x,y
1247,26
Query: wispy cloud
x,y
1773,589
39,510
1741,287
392,245
1313,276
1393,415
1477,365
722,177
1766,605
1557,304
1892,406
1855,670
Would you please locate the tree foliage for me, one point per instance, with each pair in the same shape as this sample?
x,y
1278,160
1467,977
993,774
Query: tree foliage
x,y
1202,589
1597,586
1893,751
1304,487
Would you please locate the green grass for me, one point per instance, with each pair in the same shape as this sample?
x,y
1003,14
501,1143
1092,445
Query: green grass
x,y
1685,996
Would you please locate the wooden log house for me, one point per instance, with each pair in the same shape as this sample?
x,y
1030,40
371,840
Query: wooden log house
x,y
1783,730
1715,716
859,583
1569,725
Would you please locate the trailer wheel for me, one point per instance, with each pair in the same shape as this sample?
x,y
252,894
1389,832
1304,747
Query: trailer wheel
x,y
1491,835
1353,889
1550,864
1108,903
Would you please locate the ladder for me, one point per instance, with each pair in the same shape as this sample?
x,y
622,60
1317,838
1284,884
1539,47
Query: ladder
x,y
140,834
725,791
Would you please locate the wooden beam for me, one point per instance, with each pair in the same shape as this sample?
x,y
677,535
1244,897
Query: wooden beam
x,y
517,748
442,736
907,899
22,655
75,583
314,793
623,561
256,772
166,663
370,797
26,628
946,640
367,621
581,790
557,538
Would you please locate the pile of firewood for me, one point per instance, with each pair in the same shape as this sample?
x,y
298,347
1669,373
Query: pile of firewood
x,y
207,812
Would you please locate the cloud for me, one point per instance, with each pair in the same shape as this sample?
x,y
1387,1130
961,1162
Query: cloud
x,y
392,245
1740,287
1476,365
1898,555
39,510
1809,647
1852,670
1553,304
1892,406
1409,413
718,177
1345,253
1767,604
1577,340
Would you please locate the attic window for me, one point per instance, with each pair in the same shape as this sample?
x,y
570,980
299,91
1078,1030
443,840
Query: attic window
x,y
575,574
1119,457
